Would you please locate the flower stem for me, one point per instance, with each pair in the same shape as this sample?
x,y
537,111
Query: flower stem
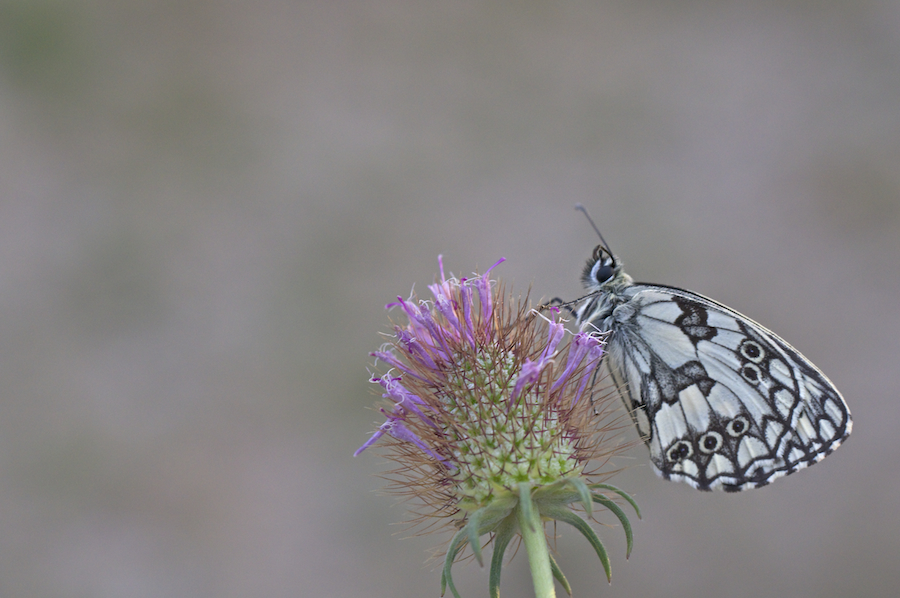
x,y
532,529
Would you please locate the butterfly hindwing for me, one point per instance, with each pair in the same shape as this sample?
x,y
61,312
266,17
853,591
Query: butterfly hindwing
x,y
721,401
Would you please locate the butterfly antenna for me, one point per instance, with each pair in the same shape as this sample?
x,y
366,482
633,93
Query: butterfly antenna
x,y
584,211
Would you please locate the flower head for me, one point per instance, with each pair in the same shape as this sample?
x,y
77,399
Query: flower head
x,y
492,413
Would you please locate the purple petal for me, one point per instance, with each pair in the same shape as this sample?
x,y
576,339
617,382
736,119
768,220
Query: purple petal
x,y
593,360
423,326
399,431
483,286
415,348
444,304
391,359
378,434
465,292
396,391
402,397
418,318
497,263
578,348
530,372
557,332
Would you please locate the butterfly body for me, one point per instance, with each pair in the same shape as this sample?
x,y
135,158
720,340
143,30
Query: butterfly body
x,y
721,401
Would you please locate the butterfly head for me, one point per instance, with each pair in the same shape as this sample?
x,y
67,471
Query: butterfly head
x,y
603,269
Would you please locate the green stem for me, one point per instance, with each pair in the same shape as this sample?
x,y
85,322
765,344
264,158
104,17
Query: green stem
x,y
532,529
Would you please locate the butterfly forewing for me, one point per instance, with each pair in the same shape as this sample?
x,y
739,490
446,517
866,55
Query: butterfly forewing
x,y
721,401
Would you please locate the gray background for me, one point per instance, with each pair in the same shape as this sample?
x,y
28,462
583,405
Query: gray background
x,y
204,207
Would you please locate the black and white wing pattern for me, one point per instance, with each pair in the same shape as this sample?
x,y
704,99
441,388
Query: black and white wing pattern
x,y
722,402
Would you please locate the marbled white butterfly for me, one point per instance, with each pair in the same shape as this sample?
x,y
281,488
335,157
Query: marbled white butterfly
x,y
721,401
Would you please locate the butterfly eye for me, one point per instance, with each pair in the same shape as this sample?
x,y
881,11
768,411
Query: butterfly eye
x,y
680,450
737,426
603,273
710,442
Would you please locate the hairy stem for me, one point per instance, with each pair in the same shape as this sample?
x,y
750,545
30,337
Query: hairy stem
x,y
532,529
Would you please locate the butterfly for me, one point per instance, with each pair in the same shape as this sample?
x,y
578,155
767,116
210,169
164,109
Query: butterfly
x,y
721,401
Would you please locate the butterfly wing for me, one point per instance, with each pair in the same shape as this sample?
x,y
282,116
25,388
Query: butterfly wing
x,y
721,401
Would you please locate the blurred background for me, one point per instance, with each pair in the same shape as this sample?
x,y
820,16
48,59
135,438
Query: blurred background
x,y
204,207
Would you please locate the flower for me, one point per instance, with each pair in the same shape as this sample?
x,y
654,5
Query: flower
x,y
493,421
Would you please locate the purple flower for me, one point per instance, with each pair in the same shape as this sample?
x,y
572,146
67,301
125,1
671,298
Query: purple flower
x,y
485,411
480,398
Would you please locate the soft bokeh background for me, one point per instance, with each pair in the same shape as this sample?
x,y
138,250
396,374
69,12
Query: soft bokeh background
x,y
205,205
